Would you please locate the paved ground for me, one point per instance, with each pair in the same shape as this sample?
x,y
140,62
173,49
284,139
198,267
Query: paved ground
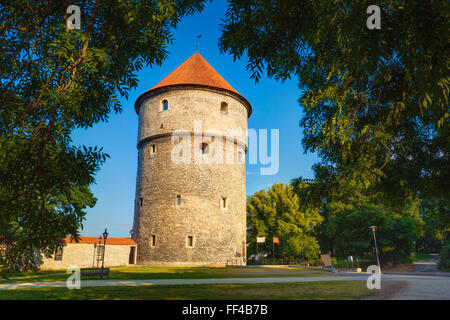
x,y
430,265
423,282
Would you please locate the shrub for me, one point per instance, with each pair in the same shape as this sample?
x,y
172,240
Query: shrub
x,y
445,256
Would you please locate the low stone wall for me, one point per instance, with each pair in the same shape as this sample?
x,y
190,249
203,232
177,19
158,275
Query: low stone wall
x,y
84,256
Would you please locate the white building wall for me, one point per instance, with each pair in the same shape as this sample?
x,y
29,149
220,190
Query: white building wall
x,y
84,255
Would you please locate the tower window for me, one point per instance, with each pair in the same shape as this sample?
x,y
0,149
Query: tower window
x,y
164,105
224,107
153,241
204,148
141,202
190,241
153,148
179,200
223,202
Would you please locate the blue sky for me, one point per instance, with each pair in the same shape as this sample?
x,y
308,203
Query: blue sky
x,y
275,106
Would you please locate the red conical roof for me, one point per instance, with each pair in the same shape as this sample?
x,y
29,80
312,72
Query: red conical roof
x,y
195,71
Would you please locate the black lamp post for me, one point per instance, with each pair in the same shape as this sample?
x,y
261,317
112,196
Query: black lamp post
x,y
98,249
105,236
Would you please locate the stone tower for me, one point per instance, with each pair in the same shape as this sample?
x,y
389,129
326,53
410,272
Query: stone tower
x,y
191,211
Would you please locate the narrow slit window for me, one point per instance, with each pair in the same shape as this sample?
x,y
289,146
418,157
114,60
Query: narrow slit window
x,y
224,107
179,200
141,202
190,241
165,105
224,202
153,148
153,241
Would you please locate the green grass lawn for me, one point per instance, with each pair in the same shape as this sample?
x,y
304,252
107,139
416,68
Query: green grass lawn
x,y
342,290
138,273
421,256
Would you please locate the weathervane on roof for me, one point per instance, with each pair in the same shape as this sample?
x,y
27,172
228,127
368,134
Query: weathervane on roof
x,y
196,42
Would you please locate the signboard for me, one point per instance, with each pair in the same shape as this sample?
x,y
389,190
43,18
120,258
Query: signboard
x,y
276,240
326,259
260,239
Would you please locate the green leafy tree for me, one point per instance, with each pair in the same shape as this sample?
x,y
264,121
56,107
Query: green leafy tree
x,y
348,227
445,256
436,216
52,81
348,210
375,102
277,213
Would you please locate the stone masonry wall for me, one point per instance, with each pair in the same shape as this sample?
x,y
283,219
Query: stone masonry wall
x,y
83,256
219,233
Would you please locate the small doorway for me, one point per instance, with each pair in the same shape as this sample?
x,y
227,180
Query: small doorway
x,y
132,255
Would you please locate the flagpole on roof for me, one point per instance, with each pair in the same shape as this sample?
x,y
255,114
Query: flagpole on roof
x,y
196,42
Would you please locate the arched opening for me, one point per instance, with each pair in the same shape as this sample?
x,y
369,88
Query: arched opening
x,y
224,107
164,105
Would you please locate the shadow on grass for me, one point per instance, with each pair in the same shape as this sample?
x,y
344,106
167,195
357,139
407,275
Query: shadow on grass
x,y
142,273
341,290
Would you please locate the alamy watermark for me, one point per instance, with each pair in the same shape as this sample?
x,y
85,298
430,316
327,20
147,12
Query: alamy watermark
x,y
74,280
374,20
374,280
214,146
74,20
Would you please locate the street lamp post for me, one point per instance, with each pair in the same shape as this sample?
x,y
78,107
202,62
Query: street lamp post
x,y
98,249
105,236
376,248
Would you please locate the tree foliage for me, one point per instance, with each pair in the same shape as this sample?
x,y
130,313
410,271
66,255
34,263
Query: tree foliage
x,y
375,101
277,213
348,212
53,80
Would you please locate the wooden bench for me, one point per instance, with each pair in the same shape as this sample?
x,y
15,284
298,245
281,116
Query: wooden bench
x,y
326,262
87,272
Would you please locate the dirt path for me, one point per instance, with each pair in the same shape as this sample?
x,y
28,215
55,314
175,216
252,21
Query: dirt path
x,y
389,289
422,288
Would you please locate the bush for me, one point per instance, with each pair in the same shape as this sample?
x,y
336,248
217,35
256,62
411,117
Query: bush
x,y
445,256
